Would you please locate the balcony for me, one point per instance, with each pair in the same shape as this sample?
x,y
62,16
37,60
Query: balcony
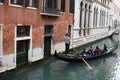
x,y
50,12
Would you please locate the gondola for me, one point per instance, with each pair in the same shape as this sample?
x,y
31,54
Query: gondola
x,y
76,58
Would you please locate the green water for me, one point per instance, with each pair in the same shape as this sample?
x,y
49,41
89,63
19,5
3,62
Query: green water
x,y
104,68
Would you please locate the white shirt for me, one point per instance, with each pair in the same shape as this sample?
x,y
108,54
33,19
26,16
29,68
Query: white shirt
x,y
67,39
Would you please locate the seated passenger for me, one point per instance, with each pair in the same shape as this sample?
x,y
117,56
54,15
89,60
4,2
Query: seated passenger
x,y
84,53
90,51
97,51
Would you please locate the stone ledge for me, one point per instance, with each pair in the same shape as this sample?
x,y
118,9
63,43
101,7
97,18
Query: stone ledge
x,y
6,68
3,69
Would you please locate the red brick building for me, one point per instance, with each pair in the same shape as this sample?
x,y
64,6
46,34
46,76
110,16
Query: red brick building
x,y
32,29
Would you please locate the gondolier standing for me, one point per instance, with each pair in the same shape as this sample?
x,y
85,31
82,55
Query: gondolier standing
x,y
67,43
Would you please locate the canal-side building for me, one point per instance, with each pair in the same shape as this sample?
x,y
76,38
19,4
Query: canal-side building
x,y
91,20
111,21
115,13
32,30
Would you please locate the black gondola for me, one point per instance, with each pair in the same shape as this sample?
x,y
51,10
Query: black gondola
x,y
76,58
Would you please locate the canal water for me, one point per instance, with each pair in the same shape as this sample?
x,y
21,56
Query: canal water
x,y
104,68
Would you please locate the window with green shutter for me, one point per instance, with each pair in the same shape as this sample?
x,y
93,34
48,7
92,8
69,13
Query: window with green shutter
x,y
71,6
23,31
55,4
20,2
16,2
63,5
32,3
50,4
2,1
36,3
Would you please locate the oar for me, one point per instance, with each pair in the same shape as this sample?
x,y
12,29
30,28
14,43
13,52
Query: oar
x,y
83,59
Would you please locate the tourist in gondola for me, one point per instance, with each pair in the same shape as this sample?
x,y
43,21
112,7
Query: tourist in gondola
x,y
84,52
97,51
90,51
67,43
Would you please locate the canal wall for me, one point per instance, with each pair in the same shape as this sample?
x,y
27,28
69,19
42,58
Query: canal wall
x,y
84,40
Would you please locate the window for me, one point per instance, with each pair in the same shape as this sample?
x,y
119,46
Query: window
x,y
71,6
50,4
2,1
63,5
23,31
107,19
32,3
85,16
94,18
69,30
81,5
100,17
89,13
16,2
48,29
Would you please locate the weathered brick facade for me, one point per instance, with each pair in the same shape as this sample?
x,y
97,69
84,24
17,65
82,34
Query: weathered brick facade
x,y
12,16
8,39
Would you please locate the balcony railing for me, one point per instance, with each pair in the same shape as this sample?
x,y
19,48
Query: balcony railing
x,y
50,11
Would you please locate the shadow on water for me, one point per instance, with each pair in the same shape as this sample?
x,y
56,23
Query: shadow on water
x,y
101,70
54,69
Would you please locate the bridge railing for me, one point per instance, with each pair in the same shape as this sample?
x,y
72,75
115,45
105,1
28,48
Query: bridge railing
x,y
113,29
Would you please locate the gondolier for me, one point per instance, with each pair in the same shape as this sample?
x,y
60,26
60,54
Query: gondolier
x,y
67,43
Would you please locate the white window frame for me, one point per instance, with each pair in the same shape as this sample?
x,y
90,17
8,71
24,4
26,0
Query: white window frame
x,y
30,2
23,38
30,6
1,3
14,4
69,9
43,3
15,1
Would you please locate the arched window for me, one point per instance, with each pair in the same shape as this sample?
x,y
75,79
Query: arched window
x,y
94,18
107,20
89,16
81,5
85,15
104,19
100,17
89,13
80,24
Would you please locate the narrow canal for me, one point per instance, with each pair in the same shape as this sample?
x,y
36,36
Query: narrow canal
x,y
104,68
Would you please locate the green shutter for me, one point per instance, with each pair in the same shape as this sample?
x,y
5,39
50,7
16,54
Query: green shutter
x,y
50,3
20,2
12,1
2,1
36,3
71,7
63,5
26,3
55,4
